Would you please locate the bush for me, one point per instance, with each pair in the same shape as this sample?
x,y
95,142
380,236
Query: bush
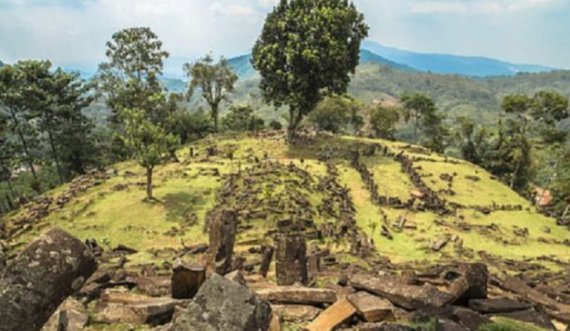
x,y
336,114
242,118
383,121
275,125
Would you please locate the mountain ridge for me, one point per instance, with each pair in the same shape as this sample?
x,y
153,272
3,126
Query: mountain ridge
x,y
477,66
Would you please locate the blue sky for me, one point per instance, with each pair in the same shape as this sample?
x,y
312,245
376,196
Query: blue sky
x,y
74,32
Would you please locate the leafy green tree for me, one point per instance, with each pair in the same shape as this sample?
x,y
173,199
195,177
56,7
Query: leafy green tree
x,y
130,78
7,155
307,49
383,121
13,102
416,107
561,183
215,81
436,133
148,142
242,118
473,140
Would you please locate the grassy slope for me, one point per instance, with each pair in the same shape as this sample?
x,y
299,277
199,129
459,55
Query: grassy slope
x,y
187,190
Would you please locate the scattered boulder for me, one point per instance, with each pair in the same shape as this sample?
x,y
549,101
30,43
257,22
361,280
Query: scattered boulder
x,y
224,305
50,269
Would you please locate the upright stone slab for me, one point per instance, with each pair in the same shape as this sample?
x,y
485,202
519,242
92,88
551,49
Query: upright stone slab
x,y
291,259
186,280
35,284
266,260
223,228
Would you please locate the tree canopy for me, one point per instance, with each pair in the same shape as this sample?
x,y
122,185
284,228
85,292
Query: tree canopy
x,y
307,49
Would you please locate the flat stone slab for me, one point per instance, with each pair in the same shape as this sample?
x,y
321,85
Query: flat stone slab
x,y
297,295
371,307
332,316
409,297
499,305
296,313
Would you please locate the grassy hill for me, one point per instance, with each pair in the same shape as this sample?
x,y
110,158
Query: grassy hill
x,y
436,201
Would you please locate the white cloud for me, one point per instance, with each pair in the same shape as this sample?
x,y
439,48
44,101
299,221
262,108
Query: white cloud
x,y
74,32
479,6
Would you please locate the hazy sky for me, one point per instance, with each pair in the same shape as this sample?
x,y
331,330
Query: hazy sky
x,y
74,32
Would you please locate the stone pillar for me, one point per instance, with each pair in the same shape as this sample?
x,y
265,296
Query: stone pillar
x,y
291,259
40,278
472,284
223,228
266,260
186,280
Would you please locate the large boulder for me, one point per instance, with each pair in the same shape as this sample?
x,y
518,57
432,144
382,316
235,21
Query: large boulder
x,y
222,304
40,278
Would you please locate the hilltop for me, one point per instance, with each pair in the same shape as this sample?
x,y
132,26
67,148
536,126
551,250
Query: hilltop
x,y
405,199
370,204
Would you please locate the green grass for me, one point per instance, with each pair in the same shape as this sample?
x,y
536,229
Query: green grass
x,y
186,191
505,324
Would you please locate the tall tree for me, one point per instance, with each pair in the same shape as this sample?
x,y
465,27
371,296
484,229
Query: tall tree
x,y
12,100
74,132
130,78
7,155
215,81
307,49
148,142
416,107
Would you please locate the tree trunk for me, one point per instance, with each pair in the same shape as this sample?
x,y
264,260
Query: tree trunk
x,y
55,158
294,121
149,183
11,188
215,116
24,143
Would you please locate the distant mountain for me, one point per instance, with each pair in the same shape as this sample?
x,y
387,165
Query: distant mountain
x,y
242,64
452,64
1,64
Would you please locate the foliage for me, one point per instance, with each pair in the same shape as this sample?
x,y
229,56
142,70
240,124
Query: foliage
x,y
383,121
148,142
130,78
306,50
242,118
337,114
275,125
215,80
